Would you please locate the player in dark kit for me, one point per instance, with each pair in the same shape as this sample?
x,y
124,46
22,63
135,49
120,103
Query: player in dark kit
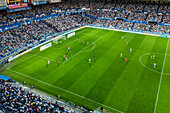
x,y
94,57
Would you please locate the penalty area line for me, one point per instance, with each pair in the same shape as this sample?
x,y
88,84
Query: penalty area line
x,y
161,77
66,91
24,60
84,48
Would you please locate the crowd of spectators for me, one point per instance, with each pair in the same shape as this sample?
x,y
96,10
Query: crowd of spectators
x,y
122,14
17,38
36,11
16,100
106,14
154,16
126,25
161,29
106,23
164,8
86,19
135,7
64,22
166,19
111,23
109,5
137,17
120,6
151,7
143,27
93,13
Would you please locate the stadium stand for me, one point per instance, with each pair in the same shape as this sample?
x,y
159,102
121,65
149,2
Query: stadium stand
x,y
118,15
19,98
128,12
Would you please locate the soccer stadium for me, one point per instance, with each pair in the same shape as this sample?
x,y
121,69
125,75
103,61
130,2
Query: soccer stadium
x,y
84,56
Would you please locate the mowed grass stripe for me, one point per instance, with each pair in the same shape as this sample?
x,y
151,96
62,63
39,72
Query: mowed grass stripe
x,y
82,66
35,51
164,94
108,78
93,74
54,52
139,101
64,68
122,92
147,86
167,63
30,64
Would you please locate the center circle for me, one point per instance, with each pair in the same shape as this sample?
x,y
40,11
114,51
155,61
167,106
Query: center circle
x,y
149,67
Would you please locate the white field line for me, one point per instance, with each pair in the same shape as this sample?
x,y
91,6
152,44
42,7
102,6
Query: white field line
x,y
66,91
68,59
76,39
89,49
23,60
84,48
39,52
161,78
140,59
91,34
65,44
81,31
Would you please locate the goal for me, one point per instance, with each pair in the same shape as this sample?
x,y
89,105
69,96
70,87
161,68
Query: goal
x,y
59,39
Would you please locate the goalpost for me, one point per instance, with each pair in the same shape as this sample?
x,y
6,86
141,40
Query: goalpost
x,y
59,39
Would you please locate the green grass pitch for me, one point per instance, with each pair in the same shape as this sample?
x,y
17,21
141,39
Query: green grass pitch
x,y
134,86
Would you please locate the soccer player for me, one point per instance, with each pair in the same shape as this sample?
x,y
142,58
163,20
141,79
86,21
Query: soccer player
x,y
93,48
71,56
58,62
153,56
64,57
121,55
130,49
126,43
94,57
67,51
68,48
125,59
87,43
48,63
83,43
154,65
122,37
89,62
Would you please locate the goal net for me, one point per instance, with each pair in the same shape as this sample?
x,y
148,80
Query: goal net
x,y
59,40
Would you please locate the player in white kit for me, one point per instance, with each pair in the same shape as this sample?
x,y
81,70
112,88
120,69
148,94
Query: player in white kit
x,y
154,65
130,49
